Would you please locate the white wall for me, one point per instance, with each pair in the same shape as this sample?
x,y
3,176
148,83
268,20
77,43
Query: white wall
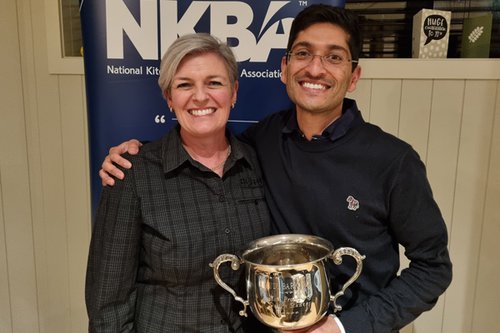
x,y
453,121
455,127
44,207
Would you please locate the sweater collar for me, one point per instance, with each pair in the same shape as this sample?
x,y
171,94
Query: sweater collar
x,y
349,118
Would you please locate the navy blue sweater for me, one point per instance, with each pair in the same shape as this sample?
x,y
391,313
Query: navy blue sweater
x,y
366,189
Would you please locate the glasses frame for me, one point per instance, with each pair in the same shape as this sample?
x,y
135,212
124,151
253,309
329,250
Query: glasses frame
x,y
324,61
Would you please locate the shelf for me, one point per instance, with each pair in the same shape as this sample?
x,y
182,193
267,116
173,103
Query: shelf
x,y
459,69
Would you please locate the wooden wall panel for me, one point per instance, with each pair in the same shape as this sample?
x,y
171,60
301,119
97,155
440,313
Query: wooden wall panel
x,y
413,127
7,13
19,308
57,314
442,152
362,95
444,138
414,115
76,192
385,104
5,307
41,217
486,305
50,231
472,167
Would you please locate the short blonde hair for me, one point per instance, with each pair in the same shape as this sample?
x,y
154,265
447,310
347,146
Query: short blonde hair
x,y
194,44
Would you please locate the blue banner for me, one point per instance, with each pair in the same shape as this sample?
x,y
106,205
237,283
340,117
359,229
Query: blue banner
x,y
123,44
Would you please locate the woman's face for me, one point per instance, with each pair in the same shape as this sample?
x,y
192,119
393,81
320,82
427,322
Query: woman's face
x,y
201,95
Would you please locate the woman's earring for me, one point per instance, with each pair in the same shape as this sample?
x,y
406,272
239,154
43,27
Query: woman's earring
x,y
170,108
232,105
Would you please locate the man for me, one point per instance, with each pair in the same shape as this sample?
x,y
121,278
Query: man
x,y
331,174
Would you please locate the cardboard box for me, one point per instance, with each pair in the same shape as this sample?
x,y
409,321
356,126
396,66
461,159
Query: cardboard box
x,y
431,32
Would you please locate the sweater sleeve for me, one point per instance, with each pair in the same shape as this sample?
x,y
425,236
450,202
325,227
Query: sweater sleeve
x,y
416,223
113,260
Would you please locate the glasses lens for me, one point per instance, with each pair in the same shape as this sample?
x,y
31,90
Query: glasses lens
x,y
330,59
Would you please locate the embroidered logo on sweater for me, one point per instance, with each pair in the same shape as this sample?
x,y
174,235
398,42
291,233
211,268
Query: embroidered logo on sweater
x,y
353,203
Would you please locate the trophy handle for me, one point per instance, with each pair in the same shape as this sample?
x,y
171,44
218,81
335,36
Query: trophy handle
x,y
235,265
336,256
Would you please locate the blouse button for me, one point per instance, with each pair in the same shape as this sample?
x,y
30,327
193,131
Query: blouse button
x,y
227,230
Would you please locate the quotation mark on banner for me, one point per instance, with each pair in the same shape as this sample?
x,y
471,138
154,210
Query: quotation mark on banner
x,y
475,34
160,119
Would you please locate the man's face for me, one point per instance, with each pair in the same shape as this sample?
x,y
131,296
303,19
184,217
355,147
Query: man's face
x,y
317,86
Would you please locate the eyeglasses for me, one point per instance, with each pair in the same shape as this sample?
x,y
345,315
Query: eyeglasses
x,y
305,58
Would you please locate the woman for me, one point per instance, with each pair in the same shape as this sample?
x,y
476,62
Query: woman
x,y
191,196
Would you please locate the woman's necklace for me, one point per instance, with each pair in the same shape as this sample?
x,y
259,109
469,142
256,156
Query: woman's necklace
x,y
218,166
215,168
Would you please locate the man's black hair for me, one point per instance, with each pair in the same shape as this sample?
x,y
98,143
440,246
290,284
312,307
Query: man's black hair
x,y
321,13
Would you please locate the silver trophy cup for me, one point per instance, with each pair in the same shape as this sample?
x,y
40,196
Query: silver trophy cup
x,y
287,282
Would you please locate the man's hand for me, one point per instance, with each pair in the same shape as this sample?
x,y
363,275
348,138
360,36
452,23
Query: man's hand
x,y
108,167
325,325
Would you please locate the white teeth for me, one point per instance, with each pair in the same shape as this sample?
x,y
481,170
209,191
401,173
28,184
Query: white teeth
x,y
203,112
314,86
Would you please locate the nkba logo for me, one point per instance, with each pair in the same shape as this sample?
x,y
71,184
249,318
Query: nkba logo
x,y
228,20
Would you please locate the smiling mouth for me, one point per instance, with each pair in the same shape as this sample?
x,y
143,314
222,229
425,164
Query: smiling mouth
x,y
201,112
314,86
